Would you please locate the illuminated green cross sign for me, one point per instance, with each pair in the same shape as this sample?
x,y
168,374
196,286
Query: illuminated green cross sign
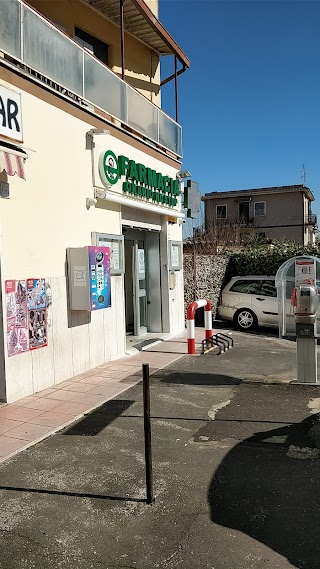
x,y
192,199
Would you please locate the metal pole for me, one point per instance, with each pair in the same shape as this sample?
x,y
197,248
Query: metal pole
x,y
147,432
122,38
194,269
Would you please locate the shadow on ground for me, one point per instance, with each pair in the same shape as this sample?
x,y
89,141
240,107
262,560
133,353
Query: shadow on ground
x,y
93,423
209,379
268,487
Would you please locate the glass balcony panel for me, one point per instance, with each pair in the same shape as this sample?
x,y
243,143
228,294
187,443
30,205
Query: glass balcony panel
x,y
142,115
10,27
51,53
104,89
170,134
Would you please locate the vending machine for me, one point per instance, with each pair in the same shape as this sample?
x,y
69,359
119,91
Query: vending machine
x,y
89,278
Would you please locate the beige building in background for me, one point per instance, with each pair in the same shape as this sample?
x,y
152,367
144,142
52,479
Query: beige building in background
x,y
270,213
87,159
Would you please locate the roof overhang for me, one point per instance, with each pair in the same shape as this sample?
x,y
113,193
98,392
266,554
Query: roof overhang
x,y
259,192
140,22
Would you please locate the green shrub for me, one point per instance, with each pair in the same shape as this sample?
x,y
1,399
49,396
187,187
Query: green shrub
x,y
259,259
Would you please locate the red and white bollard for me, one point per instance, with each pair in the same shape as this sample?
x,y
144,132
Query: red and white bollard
x,y
190,322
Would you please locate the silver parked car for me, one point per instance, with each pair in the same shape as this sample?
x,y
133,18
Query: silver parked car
x,y
250,301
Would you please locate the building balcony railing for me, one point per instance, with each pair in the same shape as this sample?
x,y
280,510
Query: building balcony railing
x,y
236,222
311,219
32,41
245,221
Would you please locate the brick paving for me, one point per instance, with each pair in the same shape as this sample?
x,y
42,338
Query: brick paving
x,y
29,420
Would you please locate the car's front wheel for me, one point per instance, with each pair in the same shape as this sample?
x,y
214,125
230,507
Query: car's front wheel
x,y
245,319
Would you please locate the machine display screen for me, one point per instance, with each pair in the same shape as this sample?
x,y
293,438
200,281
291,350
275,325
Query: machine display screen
x,y
305,293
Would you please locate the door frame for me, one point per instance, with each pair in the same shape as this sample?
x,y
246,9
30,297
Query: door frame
x,y
139,274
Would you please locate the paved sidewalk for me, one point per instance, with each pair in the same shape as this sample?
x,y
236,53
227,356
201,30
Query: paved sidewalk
x,y
29,420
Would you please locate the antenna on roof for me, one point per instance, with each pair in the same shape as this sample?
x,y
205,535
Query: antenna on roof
x,y
303,174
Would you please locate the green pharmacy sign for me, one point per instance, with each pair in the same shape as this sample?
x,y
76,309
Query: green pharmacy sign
x,y
138,180
192,199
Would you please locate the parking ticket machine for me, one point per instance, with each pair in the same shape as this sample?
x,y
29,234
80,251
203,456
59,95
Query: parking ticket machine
x,y
299,311
305,300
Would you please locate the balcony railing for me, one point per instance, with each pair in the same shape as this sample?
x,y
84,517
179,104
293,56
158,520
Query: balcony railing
x,y
311,219
236,222
245,221
31,40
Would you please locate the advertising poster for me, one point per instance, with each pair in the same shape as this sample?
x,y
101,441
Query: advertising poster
x,y
37,328
99,275
36,293
37,313
17,316
305,272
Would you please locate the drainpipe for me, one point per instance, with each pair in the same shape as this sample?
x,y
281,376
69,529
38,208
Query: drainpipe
x,y
122,38
176,86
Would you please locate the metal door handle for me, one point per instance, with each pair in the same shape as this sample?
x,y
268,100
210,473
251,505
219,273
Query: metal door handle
x,y
259,298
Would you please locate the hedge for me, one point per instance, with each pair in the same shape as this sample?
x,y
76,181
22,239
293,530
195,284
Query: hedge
x,y
257,259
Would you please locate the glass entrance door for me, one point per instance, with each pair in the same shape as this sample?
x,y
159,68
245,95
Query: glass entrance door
x,y
139,288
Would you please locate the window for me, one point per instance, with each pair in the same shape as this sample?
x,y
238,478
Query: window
x,y
221,212
259,209
92,44
268,288
246,287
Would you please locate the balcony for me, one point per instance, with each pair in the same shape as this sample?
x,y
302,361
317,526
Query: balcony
x,y
29,40
311,219
236,222
244,221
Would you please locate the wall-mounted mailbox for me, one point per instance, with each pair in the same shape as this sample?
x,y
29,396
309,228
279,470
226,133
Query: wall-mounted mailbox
x,y
89,278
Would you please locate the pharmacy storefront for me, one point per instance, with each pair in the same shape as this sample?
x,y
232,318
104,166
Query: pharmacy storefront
x,y
91,242
149,250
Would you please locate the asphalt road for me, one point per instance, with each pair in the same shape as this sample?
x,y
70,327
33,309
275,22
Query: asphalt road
x,y
235,463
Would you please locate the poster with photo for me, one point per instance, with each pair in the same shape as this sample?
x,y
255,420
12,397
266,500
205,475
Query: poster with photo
x,y
37,328
17,340
37,313
17,316
10,290
36,293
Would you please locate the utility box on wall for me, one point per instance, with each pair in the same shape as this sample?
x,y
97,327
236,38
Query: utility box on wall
x,y
89,278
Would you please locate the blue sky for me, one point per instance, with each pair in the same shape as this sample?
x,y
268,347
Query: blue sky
x,y
250,103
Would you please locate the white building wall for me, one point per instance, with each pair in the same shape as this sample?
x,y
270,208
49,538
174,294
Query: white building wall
x,y
44,216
